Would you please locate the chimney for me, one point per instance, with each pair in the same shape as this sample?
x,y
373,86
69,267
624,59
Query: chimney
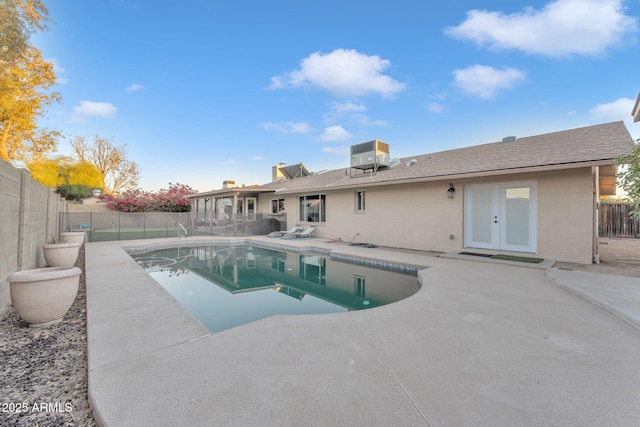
x,y
276,173
228,184
509,139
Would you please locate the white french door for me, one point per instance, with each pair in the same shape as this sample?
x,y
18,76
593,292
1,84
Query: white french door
x,y
247,207
501,216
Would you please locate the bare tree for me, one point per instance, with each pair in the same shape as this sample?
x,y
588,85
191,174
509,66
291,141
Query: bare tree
x,y
119,173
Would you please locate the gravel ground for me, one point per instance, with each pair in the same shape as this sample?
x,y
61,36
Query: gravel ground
x,y
44,370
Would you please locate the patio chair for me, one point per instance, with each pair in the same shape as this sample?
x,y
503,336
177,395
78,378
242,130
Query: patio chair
x,y
300,234
281,233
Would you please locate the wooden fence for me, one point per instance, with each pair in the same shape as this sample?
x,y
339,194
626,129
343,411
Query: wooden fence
x,y
615,221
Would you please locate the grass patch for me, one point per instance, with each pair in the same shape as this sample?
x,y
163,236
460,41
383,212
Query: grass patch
x,y
518,258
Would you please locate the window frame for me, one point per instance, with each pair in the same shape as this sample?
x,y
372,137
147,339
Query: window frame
x,y
359,283
360,201
277,206
307,215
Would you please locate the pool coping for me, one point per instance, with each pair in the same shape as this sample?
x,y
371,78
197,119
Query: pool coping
x,y
114,306
150,362
334,253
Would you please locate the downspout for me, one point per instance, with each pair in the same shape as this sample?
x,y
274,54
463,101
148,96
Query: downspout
x,y
595,173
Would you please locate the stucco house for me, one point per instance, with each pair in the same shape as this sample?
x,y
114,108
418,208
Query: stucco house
x,y
535,196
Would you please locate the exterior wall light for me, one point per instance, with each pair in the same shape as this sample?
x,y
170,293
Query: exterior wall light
x,y
451,192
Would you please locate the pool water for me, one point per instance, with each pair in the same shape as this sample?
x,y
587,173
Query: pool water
x,y
228,286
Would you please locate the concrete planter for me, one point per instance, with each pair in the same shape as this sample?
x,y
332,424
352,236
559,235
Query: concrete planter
x,y
73,237
61,254
43,296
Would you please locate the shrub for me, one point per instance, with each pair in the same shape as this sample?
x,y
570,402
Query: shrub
x,y
75,192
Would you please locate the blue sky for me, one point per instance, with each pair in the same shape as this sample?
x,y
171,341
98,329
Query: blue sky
x,y
206,91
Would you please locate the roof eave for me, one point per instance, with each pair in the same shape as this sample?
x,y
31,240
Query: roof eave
x,y
636,110
229,192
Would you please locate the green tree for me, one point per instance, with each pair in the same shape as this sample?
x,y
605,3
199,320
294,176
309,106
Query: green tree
x,y
46,171
81,173
118,172
629,177
65,171
25,80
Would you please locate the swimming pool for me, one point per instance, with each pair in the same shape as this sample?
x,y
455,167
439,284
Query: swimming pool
x,y
228,286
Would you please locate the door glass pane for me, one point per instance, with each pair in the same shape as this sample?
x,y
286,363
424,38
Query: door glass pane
x,y
517,201
482,209
313,208
302,209
251,208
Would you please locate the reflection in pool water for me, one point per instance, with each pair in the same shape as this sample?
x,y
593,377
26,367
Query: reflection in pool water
x,y
228,286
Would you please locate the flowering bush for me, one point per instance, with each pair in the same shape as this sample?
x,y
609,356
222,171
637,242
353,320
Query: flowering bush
x,y
169,200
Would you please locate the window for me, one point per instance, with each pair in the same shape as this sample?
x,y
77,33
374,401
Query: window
x,y
360,207
277,206
312,208
313,268
278,262
358,286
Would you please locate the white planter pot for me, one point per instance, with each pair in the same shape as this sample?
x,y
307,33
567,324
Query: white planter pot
x,y
73,237
43,296
61,254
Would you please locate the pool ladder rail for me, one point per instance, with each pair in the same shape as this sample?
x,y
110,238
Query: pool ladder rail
x,y
182,228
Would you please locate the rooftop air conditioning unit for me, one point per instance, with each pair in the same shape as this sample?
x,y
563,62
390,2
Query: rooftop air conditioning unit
x,y
370,155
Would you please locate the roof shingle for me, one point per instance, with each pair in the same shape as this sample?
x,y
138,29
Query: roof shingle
x,y
591,144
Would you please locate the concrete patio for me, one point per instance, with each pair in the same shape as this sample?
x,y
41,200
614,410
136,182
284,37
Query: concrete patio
x,y
481,344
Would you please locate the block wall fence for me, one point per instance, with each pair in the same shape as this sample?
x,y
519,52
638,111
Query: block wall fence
x,y
29,215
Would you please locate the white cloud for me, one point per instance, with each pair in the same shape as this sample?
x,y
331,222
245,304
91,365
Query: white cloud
x,y
439,96
436,107
560,28
342,73
342,110
484,81
336,151
365,120
620,109
256,158
335,133
228,162
134,87
288,127
88,109
350,112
